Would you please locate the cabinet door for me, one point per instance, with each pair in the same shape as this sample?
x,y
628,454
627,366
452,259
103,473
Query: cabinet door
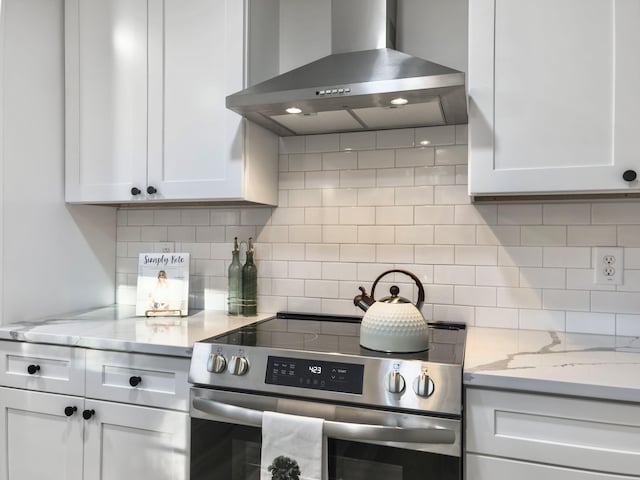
x,y
37,439
479,467
553,95
127,441
106,99
196,58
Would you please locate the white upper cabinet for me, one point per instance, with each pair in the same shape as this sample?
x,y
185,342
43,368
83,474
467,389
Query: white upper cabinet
x,y
553,96
146,117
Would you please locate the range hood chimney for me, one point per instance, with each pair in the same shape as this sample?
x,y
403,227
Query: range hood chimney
x,y
365,84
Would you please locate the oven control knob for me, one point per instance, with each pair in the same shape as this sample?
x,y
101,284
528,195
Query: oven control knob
x,y
216,363
423,385
395,383
239,365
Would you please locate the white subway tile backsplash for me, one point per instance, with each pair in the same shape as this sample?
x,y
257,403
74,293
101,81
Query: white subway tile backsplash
x,y
357,178
323,179
542,277
475,214
413,195
340,161
569,257
615,213
376,159
451,195
553,320
476,255
442,135
395,253
304,233
490,276
543,235
477,296
566,300
452,155
497,235
598,323
305,162
496,317
566,214
321,216
520,214
454,274
288,145
354,205
322,143
415,157
376,196
454,235
394,215
375,234
591,236
358,141
434,215
413,234
519,297
358,253
358,215
402,138
395,177
434,254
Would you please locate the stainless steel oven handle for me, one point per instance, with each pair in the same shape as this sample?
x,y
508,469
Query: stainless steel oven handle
x,y
346,431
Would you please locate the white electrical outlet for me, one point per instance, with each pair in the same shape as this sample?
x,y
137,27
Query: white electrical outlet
x,y
608,265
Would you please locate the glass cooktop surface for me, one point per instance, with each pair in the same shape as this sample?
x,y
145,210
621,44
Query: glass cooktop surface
x,y
339,334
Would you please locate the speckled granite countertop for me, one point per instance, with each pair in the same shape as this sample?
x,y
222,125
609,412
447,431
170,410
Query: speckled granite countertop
x,y
117,328
596,366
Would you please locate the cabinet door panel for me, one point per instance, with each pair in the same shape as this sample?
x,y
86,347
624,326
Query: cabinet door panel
x,y
195,143
128,441
478,467
38,440
106,68
551,95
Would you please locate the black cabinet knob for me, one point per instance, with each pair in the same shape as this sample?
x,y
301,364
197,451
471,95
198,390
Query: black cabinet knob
x,y
136,191
33,369
68,411
629,175
151,190
135,381
87,414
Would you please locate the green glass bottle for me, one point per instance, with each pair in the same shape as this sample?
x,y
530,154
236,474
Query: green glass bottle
x,y
234,301
250,283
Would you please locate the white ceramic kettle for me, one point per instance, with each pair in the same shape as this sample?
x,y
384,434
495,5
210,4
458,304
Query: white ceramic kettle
x,y
393,324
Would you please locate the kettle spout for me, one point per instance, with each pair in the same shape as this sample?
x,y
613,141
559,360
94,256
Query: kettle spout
x,y
363,301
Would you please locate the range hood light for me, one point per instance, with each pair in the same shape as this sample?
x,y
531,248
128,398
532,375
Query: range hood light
x,y
425,142
293,110
399,101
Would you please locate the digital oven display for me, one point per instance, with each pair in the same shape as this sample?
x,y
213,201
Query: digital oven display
x,y
303,373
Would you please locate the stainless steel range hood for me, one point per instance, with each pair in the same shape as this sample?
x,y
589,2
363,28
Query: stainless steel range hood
x,y
363,85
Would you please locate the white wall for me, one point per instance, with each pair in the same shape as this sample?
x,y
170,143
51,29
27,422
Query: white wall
x,y
56,258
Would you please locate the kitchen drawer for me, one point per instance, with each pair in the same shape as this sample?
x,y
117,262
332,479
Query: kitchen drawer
x,y
47,368
163,381
478,467
579,433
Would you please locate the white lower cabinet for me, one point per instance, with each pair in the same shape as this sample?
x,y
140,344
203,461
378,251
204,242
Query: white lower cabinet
x,y
530,436
115,428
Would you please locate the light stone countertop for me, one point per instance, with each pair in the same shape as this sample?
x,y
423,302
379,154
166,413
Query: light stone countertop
x,y
596,366
117,328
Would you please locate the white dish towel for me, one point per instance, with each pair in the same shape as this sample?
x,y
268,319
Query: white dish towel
x,y
290,438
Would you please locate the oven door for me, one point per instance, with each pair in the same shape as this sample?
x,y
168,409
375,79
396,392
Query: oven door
x,y
363,444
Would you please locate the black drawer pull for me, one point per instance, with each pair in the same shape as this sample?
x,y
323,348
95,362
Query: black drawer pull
x,y
32,369
135,381
87,414
68,411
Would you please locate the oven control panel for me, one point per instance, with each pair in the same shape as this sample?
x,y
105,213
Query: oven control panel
x,y
314,374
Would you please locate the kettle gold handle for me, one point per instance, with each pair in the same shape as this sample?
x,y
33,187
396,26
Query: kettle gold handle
x,y
421,296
